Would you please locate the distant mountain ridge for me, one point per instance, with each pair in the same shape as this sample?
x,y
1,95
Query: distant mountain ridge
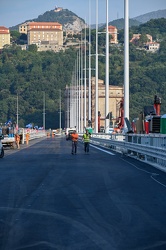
x,y
67,18
119,23
70,21
151,15
136,21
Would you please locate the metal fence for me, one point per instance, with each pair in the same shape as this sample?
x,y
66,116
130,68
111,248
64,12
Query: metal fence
x,y
150,148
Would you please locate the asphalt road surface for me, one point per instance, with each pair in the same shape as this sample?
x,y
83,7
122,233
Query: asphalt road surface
x,y
51,199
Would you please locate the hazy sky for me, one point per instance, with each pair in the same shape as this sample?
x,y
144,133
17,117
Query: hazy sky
x,y
13,12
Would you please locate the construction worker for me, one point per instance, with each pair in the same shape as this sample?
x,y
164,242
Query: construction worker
x,y
74,138
27,136
17,140
86,140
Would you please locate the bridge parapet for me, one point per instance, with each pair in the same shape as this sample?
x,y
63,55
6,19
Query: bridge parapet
x,y
150,148
34,134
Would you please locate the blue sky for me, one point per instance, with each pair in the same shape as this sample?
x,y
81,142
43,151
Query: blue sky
x,y
13,12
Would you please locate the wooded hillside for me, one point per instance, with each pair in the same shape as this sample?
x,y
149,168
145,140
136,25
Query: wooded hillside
x,y
29,74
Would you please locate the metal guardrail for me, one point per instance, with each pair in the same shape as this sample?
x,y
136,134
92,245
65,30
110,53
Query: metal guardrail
x,y
149,148
9,141
33,135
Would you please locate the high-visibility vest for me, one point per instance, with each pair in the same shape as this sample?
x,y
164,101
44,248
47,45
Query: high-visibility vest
x,y
86,137
17,138
74,137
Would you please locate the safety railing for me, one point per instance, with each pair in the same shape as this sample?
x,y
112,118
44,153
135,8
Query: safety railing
x,y
149,148
33,134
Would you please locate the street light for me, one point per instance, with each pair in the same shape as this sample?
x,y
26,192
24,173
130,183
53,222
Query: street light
x,y
107,73
126,60
96,90
17,114
89,115
85,81
60,110
44,108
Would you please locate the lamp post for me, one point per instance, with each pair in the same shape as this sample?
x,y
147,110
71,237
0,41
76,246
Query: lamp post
x,y
107,73
126,60
89,108
17,114
77,93
85,81
60,110
81,108
79,88
96,73
44,114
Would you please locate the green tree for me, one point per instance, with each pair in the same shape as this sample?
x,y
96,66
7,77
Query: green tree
x,y
32,48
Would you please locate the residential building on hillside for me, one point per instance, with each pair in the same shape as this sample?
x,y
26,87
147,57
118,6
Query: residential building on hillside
x,y
114,34
57,9
72,93
23,28
4,36
46,35
136,37
152,46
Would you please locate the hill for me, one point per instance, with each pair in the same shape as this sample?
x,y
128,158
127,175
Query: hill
x,y
136,21
71,21
151,15
119,23
68,19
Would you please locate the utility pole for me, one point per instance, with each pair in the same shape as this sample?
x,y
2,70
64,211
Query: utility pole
x,y
107,73
89,108
44,102
17,114
79,89
126,60
85,82
60,110
82,104
96,89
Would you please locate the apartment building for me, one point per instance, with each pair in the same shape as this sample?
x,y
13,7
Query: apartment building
x,y
152,46
48,33
23,28
136,37
4,36
114,34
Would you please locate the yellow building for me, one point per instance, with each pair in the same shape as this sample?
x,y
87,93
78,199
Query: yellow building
x,y
23,28
136,37
72,103
116,94
114,34
4,36
45,33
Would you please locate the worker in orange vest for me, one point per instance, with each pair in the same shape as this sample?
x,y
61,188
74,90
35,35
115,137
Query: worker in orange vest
x,y
74,138
17,140
27,136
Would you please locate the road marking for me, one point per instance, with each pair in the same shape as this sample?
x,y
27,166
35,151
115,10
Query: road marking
x,y
108,152
152,174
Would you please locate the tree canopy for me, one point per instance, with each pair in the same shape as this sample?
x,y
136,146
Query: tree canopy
x,y
29,74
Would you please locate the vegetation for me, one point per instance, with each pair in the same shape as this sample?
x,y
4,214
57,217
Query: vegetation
x,y
147,70
29,74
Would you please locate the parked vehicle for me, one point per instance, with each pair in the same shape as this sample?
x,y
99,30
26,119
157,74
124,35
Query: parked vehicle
x,y
69,132
111,130
1,147
8,139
